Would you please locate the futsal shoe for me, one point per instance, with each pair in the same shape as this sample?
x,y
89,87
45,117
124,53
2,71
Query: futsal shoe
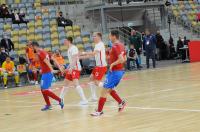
x,y
61,104
46,108
122,106
83,102
96,113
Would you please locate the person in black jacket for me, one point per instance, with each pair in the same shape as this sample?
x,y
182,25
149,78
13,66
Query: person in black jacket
x,y
180,52
132,57
62,22
7,44
3,56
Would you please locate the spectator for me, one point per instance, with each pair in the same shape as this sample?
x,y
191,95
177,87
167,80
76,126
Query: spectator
x,y
9,70
159,45
132,57
62,22
136,40
22,17
3,56
180,52
4,13
185,42
150,48
7,44
172,51
15,17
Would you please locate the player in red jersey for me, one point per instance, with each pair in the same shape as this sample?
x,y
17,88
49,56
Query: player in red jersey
x,y
115,74
47,76
101,65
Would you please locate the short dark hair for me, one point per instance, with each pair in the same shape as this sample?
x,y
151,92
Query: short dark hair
x,y
99,34
115,33
70,39
35,43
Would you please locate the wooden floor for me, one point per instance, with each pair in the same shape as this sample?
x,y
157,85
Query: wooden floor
x,y
160,100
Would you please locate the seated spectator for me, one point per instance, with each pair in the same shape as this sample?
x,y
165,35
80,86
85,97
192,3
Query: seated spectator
x,y
7,44
132,57
62,22
22,17
3,56
9,70
4,13
15,17
186,41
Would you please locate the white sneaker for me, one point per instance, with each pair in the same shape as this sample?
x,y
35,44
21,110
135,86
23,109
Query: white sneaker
x,y
97,113
5,87
83,102
36,82
32,82
93,99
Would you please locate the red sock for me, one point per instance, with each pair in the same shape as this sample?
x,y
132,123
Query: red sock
x,y
52,95
101,104
114,94
46,98
35,76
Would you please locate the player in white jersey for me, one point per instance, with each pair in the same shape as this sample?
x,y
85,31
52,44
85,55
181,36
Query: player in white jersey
x,y
73,72
101,66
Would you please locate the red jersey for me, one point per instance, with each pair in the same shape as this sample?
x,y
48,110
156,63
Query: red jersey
x,y
44,67
117,49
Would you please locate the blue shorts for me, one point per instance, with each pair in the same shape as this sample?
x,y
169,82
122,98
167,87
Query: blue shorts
x,y
46,80
112,79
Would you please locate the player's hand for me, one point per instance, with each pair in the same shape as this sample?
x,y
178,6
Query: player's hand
x,y
111,66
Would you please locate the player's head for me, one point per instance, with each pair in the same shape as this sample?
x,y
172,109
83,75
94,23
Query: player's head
x,y
35,45
97,36
147,32
8,59
68,41
114,36
29,44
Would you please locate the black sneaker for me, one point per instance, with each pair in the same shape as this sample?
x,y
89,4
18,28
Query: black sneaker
x,y
122,106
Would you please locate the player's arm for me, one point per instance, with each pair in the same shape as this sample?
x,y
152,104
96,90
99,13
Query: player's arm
x,y
86,55
121,59
46,60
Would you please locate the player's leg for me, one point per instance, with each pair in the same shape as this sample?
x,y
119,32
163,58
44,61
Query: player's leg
x,y
5,79
116,77
46,81
67,85
80,91
16,74
92,85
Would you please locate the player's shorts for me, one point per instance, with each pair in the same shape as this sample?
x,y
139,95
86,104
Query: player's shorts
x,y
46,80
99,72
75,74
112,79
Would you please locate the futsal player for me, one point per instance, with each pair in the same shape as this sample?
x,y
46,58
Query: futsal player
x,y
101,66
73,72
47,76
115,74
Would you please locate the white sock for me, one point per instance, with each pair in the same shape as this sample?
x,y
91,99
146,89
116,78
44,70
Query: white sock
x,y
93,90
63,92
100,84
79,89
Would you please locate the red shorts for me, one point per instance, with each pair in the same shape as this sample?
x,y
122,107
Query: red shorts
x,y
75,74
99,72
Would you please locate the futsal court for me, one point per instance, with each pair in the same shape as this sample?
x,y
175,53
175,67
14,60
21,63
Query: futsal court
x,y
158,100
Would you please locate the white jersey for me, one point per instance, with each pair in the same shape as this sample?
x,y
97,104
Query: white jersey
x,y
73,50
100,58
